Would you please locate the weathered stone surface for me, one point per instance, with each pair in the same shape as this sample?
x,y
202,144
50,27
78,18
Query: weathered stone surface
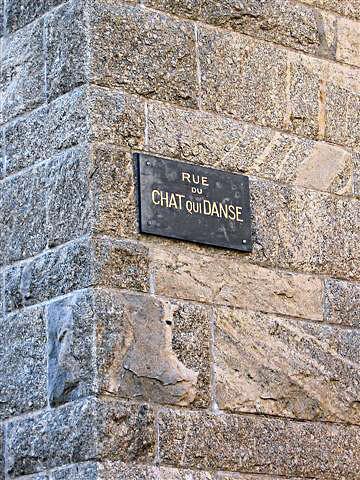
x,y
2,454
77,265
348,45
145,52
121,471
22,216
86,114
20,12
281,21
2,293
113,188
231,281
26,141
259,445
87,471
305,230
276,366
342,302
22,71
71,362
257,69
66,44
207,139
146,351
342,115
69,202
2,153
86,430
304,100
23,348
350,8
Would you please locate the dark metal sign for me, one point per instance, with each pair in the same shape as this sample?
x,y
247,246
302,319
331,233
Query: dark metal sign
x,y
197,204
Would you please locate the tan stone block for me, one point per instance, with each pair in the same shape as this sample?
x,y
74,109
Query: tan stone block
x,y
242,77
255,444
277,366
350,8
348,43
305,230
212,140
146,53
280,21
231,281
342,302
152,349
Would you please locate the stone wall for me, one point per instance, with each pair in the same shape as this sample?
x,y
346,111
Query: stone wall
x,y
132,357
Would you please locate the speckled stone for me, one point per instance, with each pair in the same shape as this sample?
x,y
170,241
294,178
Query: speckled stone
x,y
85,471
23,348
22,71
342,302
86,430
348,45
207,139
2,459
280,21
283,367
145,52
217,279
21,12
257,69
305,230
22,216
66,44
349,8
77,265
257,444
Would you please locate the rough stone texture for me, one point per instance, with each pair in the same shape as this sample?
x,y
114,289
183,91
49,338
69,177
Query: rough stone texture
x,y
207,139
229,281
350,8
66,55
75,266
121,471
21,12
305,80
68,201
342,115
296,229
22,71
281,21
71,357
87,471
257,69
23,348
267,364
147,351
147,53
85,430
113,186
342,302
2,459
87,114
2,153
22,216
258,444
348,48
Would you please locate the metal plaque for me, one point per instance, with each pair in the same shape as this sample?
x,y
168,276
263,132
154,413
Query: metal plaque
x,y
197,204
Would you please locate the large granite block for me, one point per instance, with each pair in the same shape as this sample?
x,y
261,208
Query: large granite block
x,y
257,69
349,8
211,140
22,71
284,367
66,48
21,12
145,52
23,366
342,302
81,431
218,279
281,21
259,445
